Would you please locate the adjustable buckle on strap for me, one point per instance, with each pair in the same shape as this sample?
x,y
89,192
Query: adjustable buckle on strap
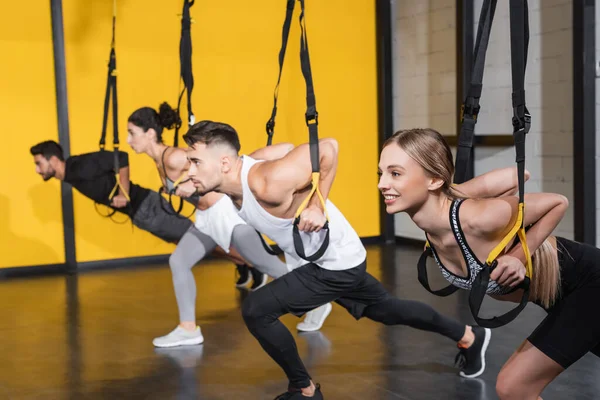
x,y
270,127
312,116
470,109
521,120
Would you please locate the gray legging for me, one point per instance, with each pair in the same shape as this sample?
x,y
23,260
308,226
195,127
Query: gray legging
x,y
195,245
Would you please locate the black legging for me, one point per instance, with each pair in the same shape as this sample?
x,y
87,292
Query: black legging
x,y
262,309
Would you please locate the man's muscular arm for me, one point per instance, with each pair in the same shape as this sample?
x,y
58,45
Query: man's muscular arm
x,y
276,181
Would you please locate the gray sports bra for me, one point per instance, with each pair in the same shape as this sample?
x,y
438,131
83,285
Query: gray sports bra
x,y
474,266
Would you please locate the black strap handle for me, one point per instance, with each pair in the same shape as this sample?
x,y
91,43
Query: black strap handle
x,y
299,246
424,280
478,292
175,211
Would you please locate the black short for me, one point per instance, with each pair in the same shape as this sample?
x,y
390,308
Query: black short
x,y
311,286
152,217
572,327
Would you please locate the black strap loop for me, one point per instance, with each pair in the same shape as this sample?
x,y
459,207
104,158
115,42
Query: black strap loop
x,y
424,280
478,292
267,247
175,211
299,246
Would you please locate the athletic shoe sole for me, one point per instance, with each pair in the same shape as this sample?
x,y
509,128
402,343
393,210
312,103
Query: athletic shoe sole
x,y
184,342
486,342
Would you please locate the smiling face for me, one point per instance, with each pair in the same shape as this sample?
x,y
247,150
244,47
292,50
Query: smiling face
x,y
414,165
403,182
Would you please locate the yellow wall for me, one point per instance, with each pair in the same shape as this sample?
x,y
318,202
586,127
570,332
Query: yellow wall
x,y
235,49
31,231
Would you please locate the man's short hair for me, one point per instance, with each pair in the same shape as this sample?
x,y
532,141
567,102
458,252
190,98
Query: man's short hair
x,y
48,149
212,133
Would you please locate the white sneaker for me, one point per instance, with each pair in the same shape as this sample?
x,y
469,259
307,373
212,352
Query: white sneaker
x,y
179,337
314,319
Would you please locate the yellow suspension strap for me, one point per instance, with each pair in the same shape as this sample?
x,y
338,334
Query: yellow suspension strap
x,y
519,38
111,92
312,120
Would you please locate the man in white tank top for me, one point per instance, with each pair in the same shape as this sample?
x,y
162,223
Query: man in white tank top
x,y
267,194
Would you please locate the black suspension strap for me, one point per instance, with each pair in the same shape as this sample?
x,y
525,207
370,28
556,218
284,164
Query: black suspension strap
x,y
186,71
469,112
470,107
111,93
519,42
312,121
186,76
270,126
284,39
519,37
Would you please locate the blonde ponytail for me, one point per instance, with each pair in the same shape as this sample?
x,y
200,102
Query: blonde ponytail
x,y
545,285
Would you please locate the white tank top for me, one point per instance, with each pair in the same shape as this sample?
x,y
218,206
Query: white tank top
x,y
345,249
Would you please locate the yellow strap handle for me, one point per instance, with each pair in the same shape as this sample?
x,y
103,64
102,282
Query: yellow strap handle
x,y
315,188
179,180
117,186
517,229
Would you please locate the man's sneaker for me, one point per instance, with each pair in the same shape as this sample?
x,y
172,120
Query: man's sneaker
x,y
259,279
243,276
297,395
314,319
471,361
179,337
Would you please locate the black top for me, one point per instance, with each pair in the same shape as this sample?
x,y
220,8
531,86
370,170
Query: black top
x,y
93,175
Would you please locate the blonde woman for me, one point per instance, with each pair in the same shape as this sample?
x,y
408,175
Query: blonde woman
x,y
416,170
